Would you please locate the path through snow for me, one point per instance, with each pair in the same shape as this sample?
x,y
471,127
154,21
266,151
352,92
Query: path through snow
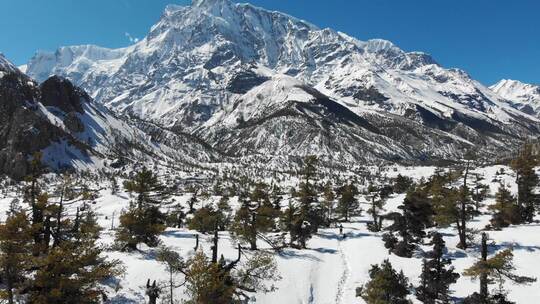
x,y
342,284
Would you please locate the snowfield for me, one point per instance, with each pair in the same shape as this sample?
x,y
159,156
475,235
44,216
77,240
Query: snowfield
x,y
332,267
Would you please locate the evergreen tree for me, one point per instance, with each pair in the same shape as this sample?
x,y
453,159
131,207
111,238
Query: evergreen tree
x,y
226,283
15,253
479,193
140,226
175,265
464,209
436,276
506,211
348,203
287,220
304,217
37,202
378,199
224,213
176,216
452,205
309,169
402,184
149,191
113,185
409,225
204,220
72,271
328,204
386,286
498,268
193,200
205,283
527,181
255,216
143,221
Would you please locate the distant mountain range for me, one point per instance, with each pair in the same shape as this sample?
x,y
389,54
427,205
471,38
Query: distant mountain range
x,y
244,81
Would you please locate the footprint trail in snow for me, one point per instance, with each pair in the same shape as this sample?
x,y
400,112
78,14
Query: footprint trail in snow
x,y
342,284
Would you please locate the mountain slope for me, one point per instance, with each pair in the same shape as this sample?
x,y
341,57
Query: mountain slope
x,y
199,62
523,96
71,131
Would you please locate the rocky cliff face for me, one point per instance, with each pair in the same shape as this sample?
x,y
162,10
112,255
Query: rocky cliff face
x,y
23,128
61,121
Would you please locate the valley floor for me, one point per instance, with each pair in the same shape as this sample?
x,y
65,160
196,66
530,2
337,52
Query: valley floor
x,y
333,266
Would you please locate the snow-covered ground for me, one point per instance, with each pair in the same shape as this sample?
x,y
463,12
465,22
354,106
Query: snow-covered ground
x,y
331,269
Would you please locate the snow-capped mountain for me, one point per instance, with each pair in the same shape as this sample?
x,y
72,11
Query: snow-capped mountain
x,y
62,122
523,96
248,81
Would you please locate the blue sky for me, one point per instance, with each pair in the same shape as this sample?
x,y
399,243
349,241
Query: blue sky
x,y
490,39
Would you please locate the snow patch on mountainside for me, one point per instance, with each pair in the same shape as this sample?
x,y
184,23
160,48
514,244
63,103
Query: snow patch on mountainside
x,y
523,96
215,63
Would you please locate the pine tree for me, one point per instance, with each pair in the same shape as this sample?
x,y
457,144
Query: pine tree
x,y
224,213
175,265
436,276
418,213
409,225
498,268
72,271
506,211
378,200
222,282
303,217
479,193
143,221
193,200
309,169
452,205
113,185
140,226
149,191
464,202
328,203
37,202
255,216
15,253
287,219
348,203
386,286
205,282
526,180
204,220
176,216
402,184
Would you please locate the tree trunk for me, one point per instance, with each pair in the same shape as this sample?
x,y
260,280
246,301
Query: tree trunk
x,y
483,276
171,285
215,246
9,287
463,211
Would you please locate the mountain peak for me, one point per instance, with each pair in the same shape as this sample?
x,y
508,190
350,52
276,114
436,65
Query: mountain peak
x,y
518,92
209,3
506,84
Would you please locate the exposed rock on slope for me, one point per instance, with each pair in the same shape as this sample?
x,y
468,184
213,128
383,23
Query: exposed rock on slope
x,y
200,66
523,96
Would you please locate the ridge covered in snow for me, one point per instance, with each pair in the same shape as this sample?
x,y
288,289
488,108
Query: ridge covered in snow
x,y
523,96
200,64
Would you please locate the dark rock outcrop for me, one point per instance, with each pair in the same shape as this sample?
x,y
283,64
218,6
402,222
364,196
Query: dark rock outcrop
x,y
24,128
61,93
73,122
